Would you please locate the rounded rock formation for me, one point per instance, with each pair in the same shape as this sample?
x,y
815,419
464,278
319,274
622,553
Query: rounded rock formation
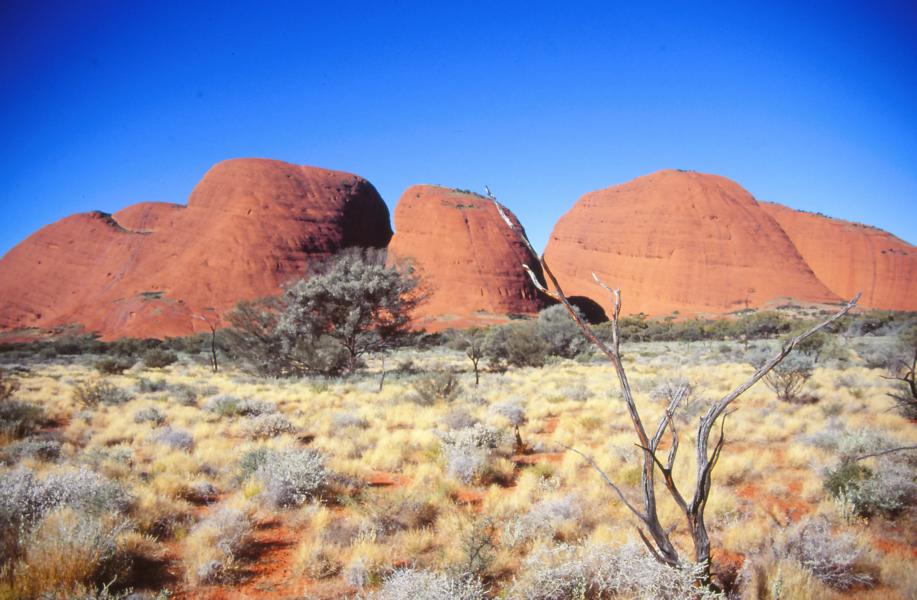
x,y
469,260
849,258
677,241
149,270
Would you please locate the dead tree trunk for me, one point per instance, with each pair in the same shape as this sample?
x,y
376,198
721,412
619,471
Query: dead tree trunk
x,y
653,533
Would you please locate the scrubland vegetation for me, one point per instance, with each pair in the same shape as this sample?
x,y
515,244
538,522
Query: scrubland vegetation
x,y
439,469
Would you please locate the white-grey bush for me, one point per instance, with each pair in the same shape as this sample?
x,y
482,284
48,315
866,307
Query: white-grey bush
x,y
268,426
33,447
511,410
565,571
231,406
150,415
179,439
468,451
830,557
416,584
344,420
542,519
291,477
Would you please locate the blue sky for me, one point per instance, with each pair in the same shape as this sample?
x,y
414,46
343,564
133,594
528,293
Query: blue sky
x,y
810,104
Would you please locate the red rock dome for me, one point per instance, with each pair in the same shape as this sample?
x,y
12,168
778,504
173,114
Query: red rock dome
x,y
849,258
470,261
249,226
679,241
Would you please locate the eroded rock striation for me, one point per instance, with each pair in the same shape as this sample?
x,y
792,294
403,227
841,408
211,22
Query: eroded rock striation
x,y
249,226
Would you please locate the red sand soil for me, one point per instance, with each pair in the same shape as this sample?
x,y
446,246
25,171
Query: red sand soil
x,y
679,241
471,261
250,225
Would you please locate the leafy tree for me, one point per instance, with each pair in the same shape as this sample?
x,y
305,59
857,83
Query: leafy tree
x,y
516,344
351,305
472,343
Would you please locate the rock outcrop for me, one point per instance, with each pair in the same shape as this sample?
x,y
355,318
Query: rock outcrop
x,y
470,261
679,241
146,271
849,258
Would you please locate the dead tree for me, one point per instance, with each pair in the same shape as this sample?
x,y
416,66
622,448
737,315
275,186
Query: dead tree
x,y
212,324
656,537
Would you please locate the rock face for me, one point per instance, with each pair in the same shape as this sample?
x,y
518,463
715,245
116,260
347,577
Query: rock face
x,y
849,257
470,261
249,226
679,241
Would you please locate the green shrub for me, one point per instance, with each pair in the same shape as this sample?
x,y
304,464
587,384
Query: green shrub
x,y
113,366
157,359
442,386
94,393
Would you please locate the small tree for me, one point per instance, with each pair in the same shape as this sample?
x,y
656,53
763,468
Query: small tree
x,y
471,342
656,536
903,368
352,305
789,377
252,338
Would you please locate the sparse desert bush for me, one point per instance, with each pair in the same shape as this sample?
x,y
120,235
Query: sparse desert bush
x,y
149,386
560,334
183,394
33,447
517,345
468,451
18,418
150,415
410,584
788,379
214,546
94,393
543,519
442,386
175,438
834,558
472,343
113,366
25,499
344,420
513,412
903,369
597,571
8,386
65,553
290,477
156,358
459,418
268,426
231,406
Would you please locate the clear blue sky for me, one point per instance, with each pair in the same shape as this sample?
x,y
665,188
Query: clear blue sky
x,y
814,105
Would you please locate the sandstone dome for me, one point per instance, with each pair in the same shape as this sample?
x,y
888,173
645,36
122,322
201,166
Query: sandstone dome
x,y
250,225
679,241
469,259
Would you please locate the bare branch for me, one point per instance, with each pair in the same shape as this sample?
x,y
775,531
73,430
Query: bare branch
x,y
610,483
881,453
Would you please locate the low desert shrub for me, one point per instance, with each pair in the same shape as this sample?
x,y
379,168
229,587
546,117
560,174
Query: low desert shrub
x,y
290,477
8,386
214,546
156,358
232,406
833,558
113,366
598,571
468,451
542,520
442,386
149,386
344,420
788,378
31,448
18,418
66,553
150,415
268,426
887,489
409,584
94,393
517,345
175,438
